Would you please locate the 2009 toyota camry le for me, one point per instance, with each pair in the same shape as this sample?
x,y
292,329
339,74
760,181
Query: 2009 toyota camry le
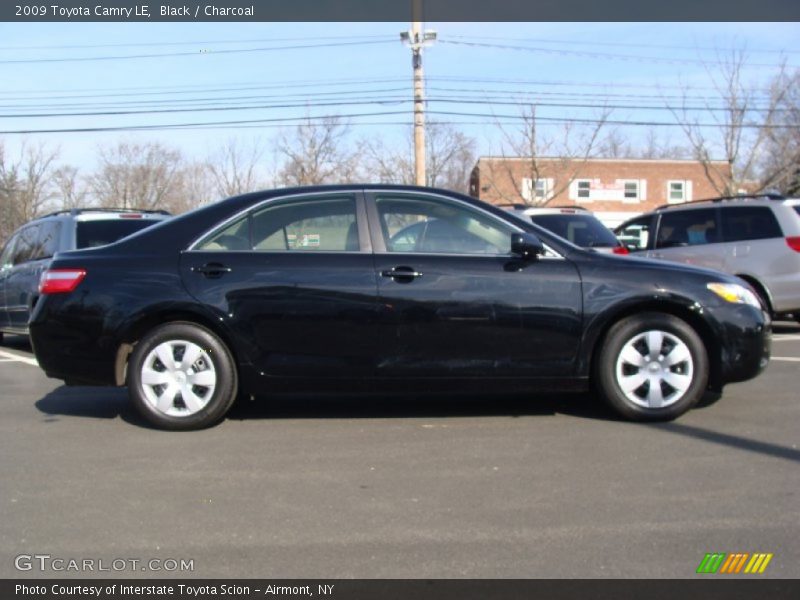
x,y
385,288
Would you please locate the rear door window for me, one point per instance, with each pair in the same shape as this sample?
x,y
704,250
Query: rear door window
x,y
47,241
741,223
8,253
26,245
107,231
326,224
688,228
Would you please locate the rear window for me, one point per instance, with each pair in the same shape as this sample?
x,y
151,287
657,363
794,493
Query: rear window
x,y
99,233
749,223
797,210
581,230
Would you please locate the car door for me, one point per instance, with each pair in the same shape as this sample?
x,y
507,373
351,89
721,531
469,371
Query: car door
x,y
5,268
453,300
295,283
690,237
22,282
38,242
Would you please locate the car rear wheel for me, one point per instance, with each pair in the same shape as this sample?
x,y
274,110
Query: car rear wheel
x,y
182,376
652,367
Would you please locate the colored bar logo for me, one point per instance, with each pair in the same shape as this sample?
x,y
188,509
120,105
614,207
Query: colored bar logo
x,y
734,563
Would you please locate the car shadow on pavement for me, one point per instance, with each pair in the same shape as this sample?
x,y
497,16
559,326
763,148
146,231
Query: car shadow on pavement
x,y
729,440
415,406
110,403
89,402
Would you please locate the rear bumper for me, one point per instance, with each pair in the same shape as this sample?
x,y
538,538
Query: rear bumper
x,y
77,351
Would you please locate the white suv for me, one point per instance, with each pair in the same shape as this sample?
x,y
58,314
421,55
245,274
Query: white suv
x,y
756,238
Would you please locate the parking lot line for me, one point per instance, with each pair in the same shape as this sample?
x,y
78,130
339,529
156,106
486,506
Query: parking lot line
x,y
786,358
785,338
17,358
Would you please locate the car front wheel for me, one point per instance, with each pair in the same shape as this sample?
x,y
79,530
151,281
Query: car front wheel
x,y
652,367
181,377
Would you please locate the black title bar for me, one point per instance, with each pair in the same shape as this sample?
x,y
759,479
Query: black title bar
x,y
399,10
744,588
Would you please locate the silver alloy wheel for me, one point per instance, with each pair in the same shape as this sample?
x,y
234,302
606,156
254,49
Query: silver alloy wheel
x,y
654,369
178,378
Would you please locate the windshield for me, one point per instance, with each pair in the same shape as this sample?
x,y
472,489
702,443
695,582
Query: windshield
x,y
582,230
99,233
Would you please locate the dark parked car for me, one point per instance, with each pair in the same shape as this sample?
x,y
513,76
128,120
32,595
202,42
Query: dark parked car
x,y
573,223
314,289
30,249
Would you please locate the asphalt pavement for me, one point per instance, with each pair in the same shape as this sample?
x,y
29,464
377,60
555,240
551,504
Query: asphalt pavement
x,y
480,487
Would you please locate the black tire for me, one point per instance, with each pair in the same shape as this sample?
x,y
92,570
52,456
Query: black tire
x,y
646,402
214,361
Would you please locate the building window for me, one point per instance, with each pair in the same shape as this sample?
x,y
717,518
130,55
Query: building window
x,y
584,188
678,191
631,190
536,190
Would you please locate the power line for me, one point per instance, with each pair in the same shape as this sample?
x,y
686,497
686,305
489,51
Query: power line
x,y
200,53
510,119
247,86
604,55
225,105
198,42
578,42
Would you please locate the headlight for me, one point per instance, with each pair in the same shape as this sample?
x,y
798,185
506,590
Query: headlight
x,y
733,292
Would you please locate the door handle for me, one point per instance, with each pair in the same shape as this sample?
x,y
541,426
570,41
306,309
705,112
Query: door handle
x,y
212,270
401,274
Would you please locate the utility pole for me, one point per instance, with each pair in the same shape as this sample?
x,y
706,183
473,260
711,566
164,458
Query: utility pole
x,y
416,38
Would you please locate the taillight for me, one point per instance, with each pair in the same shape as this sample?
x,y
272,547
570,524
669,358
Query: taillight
x,y
60,281
620,250
794,243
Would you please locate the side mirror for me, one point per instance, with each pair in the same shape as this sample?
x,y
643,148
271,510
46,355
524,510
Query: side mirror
x,y
527,245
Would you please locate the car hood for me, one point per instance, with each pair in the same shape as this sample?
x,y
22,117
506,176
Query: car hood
x,y
656,267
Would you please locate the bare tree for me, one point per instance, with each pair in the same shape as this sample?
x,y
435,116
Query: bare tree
x,y
146,176
449,153
234,167
742,125
197,187
655,148
70,189
780,166
316,152
528,155
615,145
25,185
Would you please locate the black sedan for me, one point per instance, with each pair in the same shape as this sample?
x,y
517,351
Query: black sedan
x,y
384,289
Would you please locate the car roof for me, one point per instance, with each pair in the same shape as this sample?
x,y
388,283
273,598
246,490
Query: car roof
x,y
549,210
97,214
757,199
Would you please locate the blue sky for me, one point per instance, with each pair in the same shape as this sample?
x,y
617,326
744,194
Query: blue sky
x,y
228,64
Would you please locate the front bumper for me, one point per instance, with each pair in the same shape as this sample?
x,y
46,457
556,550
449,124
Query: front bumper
x,y
746,343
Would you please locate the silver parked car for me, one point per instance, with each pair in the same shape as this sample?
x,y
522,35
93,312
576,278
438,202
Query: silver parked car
x,y
754,237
